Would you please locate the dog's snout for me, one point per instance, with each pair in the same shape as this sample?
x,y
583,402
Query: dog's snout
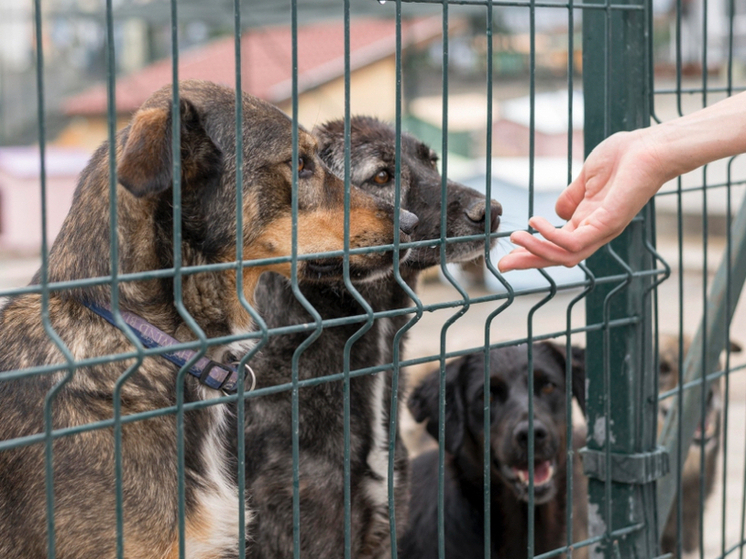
x,y
407,222
496,210
477,212
521,433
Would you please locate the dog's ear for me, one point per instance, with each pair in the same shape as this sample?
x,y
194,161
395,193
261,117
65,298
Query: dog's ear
x,y
146,164
424,403
327,133
577,364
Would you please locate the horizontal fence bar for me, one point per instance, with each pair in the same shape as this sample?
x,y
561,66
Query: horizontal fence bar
x,y
530,4
702,188
169,272
699,380
301,383
619,533
307,327
223,266
692,90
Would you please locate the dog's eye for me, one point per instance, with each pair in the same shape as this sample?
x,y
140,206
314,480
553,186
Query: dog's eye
x,y
382,177
498,393
305,167
548,388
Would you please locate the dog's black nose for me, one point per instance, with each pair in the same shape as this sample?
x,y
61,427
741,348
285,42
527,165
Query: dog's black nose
x,y
477,211
520,434
407,221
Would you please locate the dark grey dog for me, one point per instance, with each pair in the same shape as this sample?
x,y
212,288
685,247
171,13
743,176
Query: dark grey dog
x,y
508,394
84,466
268,431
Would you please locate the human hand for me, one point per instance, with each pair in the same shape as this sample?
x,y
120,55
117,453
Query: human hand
x,y
618,178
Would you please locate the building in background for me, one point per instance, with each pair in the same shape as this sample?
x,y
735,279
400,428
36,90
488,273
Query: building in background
x,y
266,64
20,194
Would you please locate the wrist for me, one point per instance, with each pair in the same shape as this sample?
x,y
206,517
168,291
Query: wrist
x,y
713,133
654,153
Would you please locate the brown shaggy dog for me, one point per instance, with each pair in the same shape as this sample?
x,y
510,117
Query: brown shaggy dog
x,y
83,463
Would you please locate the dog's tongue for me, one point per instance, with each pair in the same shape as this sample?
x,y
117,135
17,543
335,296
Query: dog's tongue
x,y
543,472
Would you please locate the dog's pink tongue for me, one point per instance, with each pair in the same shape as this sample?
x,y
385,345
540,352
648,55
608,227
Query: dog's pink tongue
x,y
542,472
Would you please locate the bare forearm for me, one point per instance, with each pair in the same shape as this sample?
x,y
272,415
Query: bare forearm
x,y
701,137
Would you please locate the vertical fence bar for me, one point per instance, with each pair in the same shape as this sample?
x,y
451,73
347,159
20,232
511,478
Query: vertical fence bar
x,y
451,280
240,294
703,370
241,402
486,412
295,419
680,228
114,267
45,292
399,336
568,340
44,275
616,98
346,397
727,255
442,384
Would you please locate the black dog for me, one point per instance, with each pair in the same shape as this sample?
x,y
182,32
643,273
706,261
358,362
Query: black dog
x,y
268,429
509,435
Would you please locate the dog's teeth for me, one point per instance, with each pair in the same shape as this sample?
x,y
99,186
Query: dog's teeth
x,y
522,475
543,474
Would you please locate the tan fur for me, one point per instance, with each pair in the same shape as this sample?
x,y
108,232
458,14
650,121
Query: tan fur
x,y
690,495
84,463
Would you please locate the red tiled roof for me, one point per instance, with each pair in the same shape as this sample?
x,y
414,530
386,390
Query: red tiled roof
x,y
266,56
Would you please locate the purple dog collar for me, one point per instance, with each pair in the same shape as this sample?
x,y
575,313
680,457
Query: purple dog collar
x,y
213,375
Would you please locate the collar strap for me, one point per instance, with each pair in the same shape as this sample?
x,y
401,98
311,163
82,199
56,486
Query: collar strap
x,y
214,375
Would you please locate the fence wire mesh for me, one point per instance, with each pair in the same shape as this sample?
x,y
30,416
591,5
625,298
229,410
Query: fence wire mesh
x,y
642,62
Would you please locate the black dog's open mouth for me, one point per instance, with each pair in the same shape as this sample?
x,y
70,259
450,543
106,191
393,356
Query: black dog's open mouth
x,y
543,473
518,477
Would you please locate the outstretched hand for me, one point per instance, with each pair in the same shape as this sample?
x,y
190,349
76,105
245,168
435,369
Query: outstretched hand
x,y
621,175
616,181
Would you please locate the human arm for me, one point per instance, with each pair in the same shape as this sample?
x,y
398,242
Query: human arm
x,y
619,177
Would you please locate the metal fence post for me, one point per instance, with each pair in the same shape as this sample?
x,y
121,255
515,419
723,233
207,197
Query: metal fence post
x,y
621,382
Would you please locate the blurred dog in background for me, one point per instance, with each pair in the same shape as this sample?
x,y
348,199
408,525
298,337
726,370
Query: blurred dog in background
x,y
705,440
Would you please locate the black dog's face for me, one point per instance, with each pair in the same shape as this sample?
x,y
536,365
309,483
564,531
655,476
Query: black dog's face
x,y
372,167
508,395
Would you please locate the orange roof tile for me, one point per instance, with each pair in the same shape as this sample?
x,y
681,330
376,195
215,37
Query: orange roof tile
x,y
266,56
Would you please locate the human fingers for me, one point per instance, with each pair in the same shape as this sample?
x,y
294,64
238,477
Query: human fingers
x,y
548,252
569,237
570,197
521,259
566,246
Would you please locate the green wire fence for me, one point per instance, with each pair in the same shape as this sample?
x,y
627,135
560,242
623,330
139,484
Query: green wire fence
x,y
634,473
